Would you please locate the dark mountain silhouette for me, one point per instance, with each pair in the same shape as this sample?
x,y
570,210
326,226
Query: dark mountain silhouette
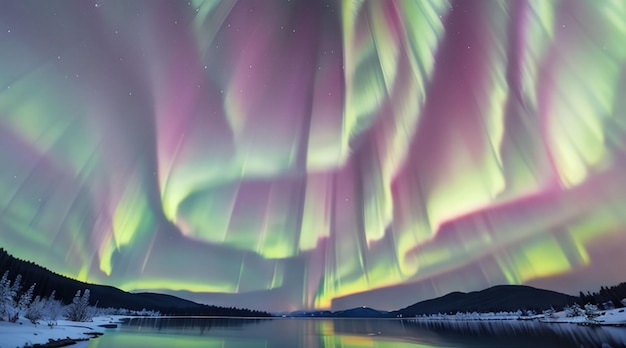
x,y
107,296
309,314
362,312
495,299
359,312
509,298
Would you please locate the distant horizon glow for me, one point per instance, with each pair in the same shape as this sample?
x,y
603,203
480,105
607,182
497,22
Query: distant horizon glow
x,y
290,154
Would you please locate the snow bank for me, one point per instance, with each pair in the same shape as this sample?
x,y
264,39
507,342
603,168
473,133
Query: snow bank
x,y
24,333
611,317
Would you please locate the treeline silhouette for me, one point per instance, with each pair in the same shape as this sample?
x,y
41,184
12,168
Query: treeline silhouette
x,y
107,296
614,294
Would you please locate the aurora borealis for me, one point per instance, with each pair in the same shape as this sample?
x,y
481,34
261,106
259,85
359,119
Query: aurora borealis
x,y
306,154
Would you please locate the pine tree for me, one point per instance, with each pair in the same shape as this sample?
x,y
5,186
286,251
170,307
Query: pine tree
x,y
52,295
78,309
72,311
5,294
26,298
84,304
51,309
34,312
9,297
16,287
583,297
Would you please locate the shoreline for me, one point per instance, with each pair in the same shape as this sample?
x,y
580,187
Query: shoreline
x,y
608,318
78,334
64,342
25,334
535,320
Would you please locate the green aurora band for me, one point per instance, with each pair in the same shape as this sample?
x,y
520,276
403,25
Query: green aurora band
x,y
314,154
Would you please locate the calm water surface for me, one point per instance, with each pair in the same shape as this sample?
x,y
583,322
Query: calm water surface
x,y
353,333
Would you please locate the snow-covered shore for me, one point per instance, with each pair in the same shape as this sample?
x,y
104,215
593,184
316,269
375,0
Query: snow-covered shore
x,y
24,333
611,317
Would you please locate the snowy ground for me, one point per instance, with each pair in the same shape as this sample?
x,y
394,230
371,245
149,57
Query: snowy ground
x,y
25,333
611,317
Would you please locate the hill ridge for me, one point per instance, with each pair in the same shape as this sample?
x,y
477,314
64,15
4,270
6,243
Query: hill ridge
x,y
493,299
108,296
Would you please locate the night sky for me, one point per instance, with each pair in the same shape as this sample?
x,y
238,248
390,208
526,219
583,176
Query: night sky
x,y
297,154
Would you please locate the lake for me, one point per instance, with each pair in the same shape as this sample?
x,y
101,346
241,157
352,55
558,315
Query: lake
x,y
353,333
